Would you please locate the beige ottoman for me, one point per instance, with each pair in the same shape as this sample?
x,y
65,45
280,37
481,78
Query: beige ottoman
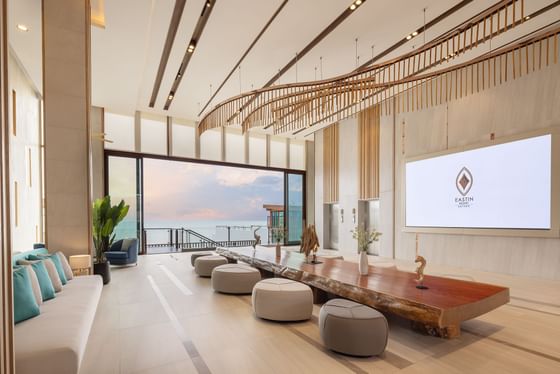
x,y
353,329
194,256
280,299
204,265
235,278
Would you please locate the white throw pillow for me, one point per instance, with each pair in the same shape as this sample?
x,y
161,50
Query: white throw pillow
x,y
53,274
65,266
35,284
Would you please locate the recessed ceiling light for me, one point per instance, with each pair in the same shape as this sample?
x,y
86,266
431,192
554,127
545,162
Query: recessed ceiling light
x,y
415,33
527,17
208,4
408,37
358,2
353,6
22,27
170,97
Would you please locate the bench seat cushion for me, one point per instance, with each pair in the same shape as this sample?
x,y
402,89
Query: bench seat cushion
x,y
55,340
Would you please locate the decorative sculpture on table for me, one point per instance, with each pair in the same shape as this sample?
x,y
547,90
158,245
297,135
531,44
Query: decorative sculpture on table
x,y
310,243
420,271
257,238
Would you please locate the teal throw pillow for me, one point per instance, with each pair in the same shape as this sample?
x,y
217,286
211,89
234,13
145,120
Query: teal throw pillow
x,y
25,305
45,283
56,260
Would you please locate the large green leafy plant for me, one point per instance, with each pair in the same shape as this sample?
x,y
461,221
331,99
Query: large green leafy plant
x,y
105,219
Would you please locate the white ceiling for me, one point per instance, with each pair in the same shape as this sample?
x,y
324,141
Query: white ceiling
x,y
126,53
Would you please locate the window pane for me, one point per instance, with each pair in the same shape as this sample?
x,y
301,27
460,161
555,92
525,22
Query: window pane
x,y
120,130
295,207
278,152
297,154
211,145
257,149
183,138
122,181
235,146
153,135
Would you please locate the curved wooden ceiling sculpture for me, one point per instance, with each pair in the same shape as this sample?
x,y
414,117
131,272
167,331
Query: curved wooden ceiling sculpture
x,y
406,83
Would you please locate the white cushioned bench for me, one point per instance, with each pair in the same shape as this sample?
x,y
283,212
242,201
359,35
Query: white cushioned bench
x,y
54,342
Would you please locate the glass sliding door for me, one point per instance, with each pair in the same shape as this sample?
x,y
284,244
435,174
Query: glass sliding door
x,y
124,182
295,192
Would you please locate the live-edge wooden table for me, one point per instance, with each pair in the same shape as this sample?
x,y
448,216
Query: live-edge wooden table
x,y
438,310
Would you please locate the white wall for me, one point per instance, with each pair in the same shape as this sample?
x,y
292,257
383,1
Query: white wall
x,y
25,160
522,105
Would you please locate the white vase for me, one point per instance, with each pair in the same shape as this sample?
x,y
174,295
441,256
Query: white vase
x,y
363,266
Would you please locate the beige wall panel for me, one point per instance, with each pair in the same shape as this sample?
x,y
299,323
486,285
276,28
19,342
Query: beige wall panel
x,y
319,198
67,139
97,152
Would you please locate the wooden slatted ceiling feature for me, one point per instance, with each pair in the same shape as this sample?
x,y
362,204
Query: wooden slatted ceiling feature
x,y
291,107
330,164
369,121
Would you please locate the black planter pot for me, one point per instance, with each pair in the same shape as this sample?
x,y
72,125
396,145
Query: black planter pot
x,y
103,270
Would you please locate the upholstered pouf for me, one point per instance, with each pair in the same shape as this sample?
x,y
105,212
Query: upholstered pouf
x,y
204,265
235,278
353,329
280,299
194,256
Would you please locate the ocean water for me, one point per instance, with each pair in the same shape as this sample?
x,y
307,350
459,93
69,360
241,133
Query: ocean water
x,y
158,230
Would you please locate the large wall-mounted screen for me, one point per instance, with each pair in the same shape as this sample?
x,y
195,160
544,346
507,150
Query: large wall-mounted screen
x,y
503,186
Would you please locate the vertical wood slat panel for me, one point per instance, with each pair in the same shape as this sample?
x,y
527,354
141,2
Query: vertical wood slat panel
x,y
330,164
369,126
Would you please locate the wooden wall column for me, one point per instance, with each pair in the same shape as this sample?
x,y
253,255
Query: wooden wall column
x,y
330,164
66,86
369,124
6,315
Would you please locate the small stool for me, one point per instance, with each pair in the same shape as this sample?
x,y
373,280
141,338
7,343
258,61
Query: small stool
x,y
279,299
194,256
235,278
353,329
204,265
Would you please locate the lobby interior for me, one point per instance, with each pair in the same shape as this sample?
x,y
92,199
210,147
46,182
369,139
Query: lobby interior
x,y
308,186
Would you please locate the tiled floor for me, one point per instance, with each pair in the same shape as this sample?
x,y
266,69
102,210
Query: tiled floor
x,y
159,317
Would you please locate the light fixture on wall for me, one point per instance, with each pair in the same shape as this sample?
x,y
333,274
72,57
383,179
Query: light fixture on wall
x,y
341,215
101,136
22,27
354,215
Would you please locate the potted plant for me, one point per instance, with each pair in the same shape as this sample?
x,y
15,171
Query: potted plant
x,y
104,220
364,237
278,235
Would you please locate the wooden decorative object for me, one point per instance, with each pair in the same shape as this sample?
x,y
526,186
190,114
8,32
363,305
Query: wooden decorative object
x,y
310,243
257,238
299,106
438,312
420,272
369,132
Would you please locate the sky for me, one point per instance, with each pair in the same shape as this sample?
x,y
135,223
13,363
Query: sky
x,y
181,191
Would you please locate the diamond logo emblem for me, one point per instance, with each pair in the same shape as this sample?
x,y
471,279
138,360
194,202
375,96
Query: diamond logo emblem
x,y
464,181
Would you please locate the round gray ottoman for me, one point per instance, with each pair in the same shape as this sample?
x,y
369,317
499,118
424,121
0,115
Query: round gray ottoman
x,y
280,299
204,265
353,329
235,278
194,256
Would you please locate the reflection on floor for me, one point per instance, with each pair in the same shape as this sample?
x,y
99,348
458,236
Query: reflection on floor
x,y
159,317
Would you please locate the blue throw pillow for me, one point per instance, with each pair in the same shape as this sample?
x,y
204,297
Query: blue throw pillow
x,y
25,305
57,264
45,283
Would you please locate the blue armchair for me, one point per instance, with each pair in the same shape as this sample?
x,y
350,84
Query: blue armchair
x,y
123,252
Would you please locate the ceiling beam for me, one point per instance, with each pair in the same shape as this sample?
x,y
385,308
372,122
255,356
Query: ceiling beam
x,y
191,48
171,33
401,42
322,35
263,30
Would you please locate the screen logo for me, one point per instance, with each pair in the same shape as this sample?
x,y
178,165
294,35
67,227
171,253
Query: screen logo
x,y
464,181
